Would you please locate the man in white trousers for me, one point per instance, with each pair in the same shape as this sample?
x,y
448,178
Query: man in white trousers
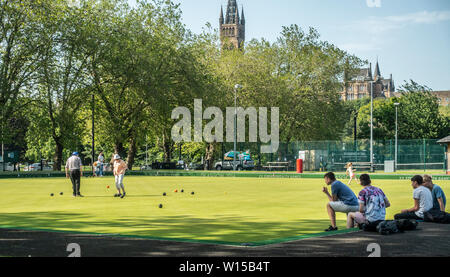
x,y
120,167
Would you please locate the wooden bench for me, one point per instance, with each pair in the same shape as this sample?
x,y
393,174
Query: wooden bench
x,y
358,165
277,165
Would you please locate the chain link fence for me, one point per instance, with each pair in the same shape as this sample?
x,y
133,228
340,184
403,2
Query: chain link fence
x,y
334,155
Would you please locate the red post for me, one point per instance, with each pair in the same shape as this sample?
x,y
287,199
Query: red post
x,y
299,166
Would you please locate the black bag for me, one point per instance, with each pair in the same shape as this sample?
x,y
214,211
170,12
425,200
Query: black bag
x,y
406,224
388,227
370,226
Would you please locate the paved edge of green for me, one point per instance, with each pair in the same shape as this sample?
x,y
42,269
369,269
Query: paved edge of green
x,y
212,242
219,174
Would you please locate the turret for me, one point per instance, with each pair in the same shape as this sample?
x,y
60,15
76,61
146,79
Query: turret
x,y
221,19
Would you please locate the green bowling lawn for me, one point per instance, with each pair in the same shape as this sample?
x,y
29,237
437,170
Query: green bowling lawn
x,y
222,210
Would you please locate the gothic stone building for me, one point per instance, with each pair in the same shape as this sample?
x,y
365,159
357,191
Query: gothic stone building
x,y
359,86
232,26
443,96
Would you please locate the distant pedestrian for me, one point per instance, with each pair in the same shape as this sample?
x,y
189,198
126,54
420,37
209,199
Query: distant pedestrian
x,y
74,171
350,172
100,164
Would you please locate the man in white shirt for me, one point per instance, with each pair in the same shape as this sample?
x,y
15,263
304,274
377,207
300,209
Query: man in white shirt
x,y
74,171
423,200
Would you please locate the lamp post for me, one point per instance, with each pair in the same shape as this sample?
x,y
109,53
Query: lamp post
x,y
236,87
3,145
355,132
146,152
371,127
396,134
93,132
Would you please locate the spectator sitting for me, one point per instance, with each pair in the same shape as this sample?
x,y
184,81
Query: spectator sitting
x,y
372,205
423,201
439,199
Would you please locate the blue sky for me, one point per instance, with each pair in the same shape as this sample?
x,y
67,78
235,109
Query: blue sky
x,y
410,37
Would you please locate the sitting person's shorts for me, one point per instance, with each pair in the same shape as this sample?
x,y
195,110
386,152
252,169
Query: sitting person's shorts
x,y
341,207
360,218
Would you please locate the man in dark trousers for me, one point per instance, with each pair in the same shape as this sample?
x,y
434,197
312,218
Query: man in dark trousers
x,y
74,171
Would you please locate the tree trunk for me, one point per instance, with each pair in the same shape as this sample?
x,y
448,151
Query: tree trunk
x,y
131,153
119,149
58,155
209,156
167,149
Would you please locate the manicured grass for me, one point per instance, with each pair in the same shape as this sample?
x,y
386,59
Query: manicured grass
x,y
235,210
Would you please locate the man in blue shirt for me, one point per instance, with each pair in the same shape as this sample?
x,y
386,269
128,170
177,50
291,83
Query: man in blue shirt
x,y
342,199
439,199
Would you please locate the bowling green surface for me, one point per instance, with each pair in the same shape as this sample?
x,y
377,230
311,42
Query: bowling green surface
x,y
234,211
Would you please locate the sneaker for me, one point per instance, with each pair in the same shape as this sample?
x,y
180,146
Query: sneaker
x,y
74,195
79,195
123,195
331,229
117,195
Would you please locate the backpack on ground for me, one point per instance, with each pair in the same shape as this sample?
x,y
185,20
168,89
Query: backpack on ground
x,y
370,226
406,224
388,227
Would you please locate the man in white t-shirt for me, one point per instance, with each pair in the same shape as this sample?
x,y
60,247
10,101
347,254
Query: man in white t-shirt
x,y
423,200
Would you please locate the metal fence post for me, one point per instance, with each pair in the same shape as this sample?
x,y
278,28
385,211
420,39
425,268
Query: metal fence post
x,y
424,156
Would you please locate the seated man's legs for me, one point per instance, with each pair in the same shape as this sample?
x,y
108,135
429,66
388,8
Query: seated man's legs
x,y
331,215
340,207
355,218
408,215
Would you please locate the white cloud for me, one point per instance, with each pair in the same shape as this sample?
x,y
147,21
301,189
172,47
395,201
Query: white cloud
x,y
369,34
379,25
420,17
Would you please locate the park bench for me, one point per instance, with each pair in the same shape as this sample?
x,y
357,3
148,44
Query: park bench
x,y
358,165
282,166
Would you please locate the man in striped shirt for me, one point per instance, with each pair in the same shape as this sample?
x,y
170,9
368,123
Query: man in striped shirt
x,y
74,171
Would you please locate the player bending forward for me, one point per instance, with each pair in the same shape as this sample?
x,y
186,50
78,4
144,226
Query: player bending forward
x,y
119,172
350,172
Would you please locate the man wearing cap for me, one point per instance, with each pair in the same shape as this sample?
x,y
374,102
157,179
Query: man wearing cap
x,y
74,171
119,172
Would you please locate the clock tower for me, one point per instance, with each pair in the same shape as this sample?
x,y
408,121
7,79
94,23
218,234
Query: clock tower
x,y
232,26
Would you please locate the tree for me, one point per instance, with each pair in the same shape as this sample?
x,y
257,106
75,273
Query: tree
x,y
418,116
62,83
143,69
300,74
20,47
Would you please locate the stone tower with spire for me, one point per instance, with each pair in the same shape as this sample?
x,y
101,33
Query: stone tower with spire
x,y
232,26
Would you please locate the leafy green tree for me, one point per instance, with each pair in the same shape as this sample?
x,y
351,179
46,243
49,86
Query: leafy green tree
x,y
62,76
300,74
418,116
20,46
